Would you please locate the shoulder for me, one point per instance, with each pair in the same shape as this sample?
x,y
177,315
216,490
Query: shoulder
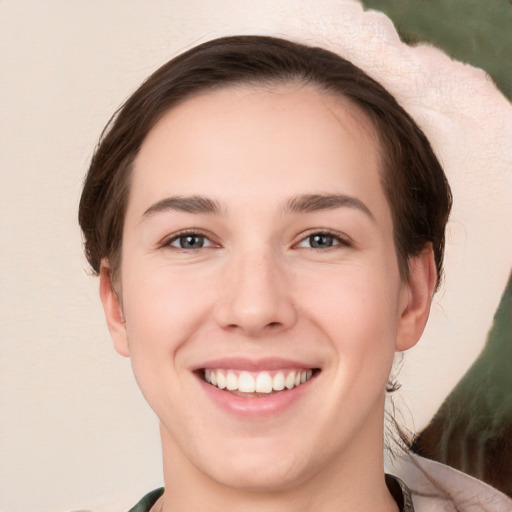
x,y
435,487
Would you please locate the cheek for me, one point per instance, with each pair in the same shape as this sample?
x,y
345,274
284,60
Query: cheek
x,y
163,307
358,298
164,311
359,312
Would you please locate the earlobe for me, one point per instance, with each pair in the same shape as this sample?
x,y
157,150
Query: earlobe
x,y
416,298
113,311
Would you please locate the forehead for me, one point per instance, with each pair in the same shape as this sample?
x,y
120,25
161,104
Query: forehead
x,y
291,136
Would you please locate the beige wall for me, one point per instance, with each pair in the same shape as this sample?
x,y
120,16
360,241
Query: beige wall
x,y
74,430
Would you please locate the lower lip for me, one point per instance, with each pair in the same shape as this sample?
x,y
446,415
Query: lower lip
x,y
254,407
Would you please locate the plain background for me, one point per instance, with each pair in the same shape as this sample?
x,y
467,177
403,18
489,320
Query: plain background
x,y
75,432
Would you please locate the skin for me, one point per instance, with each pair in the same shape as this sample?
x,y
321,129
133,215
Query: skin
x,y
257,288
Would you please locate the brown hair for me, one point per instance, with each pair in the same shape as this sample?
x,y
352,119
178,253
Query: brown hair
x,y
413,179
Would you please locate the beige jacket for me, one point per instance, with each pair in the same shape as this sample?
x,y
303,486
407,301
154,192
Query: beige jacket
x,y
435,487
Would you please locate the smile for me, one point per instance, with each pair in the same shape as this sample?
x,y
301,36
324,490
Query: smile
x,y
265,382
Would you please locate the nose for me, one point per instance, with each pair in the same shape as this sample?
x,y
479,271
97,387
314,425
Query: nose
x,y
256,298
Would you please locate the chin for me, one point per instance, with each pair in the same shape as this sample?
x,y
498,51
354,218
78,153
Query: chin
x,y
263,467
260,477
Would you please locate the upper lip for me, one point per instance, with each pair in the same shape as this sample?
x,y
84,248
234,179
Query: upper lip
x,y
253,365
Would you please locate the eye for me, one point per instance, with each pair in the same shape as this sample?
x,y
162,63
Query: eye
x,y
323,240
190,241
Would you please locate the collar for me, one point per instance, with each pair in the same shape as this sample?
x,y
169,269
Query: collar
x,y
400,493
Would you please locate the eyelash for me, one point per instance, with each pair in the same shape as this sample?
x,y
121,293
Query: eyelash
x,y
338,240
189,233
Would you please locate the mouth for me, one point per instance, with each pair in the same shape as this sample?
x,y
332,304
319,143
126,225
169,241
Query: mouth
x,y
257,384
257,389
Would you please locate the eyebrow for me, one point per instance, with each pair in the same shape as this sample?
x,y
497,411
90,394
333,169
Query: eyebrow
x,y
316,202
305,203
189,204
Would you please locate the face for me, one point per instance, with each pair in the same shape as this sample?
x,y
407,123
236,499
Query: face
x,y
261,298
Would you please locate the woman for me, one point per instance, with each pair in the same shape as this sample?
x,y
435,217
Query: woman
x,y
268,227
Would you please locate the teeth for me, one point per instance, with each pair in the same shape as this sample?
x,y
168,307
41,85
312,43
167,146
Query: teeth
x,y
231,381
221,380
261,382
278,381
246,383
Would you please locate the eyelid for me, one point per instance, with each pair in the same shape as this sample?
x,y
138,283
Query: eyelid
x,y
343,239
168,239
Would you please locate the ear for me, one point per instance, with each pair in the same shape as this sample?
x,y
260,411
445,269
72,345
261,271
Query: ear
x,y
113,310
416,297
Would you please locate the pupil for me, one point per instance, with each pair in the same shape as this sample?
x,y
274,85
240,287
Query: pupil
x,y
321,241
191,242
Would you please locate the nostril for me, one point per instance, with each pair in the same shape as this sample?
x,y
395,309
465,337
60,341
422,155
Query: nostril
x,y
271,325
